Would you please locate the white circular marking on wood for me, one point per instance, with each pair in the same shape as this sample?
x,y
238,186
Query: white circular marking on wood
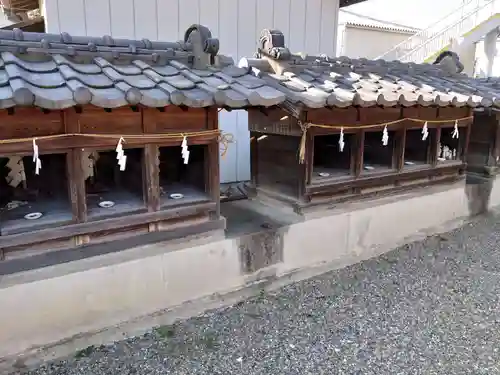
x,y
106,204
33,216
176,196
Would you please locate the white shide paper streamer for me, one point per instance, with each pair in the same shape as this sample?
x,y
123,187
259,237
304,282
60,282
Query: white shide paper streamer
x,y
455,133
36,158
120,155
184,150
425,132
341,140
385,136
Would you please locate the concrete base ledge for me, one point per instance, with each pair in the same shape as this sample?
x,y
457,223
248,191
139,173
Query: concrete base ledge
x,y
54,311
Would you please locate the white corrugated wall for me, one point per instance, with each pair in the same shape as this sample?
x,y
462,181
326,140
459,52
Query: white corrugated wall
x,y
308,25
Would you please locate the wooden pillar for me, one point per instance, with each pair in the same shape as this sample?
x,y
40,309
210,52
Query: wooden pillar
x,y
213,175
305,169
76,178
151,177
435,145
150,170
495,152
399,149
254,159
465,144
76,182
212,164
309,156
360,142
151,180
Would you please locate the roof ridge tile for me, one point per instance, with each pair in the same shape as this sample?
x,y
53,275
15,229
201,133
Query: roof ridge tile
x,y
57,71
371,82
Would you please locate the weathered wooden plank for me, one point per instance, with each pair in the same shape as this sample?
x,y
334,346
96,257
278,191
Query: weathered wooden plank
x,y
76,185
304,170
175,120
151,178
399,150
465,145
103,225
378,115
89,141
121,121
74,162
278,167
254,155
452,113
384,179
336,116
212,163
117,234
212,172
273,121
360,141
212,118
62,256
309,164
19,123
435,139
424,113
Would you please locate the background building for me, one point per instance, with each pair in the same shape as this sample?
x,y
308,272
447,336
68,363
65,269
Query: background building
x,y
364,36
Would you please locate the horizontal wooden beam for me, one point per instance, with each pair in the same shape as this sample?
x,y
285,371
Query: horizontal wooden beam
x,y
52,258
104,225
331,185
98,142
302,207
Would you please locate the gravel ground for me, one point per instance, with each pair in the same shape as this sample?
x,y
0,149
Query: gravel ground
x,y
427,308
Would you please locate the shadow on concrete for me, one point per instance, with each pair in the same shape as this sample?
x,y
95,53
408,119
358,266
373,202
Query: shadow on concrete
x,y
249,216
478,191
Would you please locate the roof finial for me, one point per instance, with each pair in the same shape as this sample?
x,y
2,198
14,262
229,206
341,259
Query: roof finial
x,y
272,44
204,47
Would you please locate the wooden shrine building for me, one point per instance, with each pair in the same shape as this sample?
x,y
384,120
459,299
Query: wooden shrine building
x,y
484,147
354,128
102,138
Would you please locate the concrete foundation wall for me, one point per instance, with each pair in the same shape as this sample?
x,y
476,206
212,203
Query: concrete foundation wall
x,y
90,301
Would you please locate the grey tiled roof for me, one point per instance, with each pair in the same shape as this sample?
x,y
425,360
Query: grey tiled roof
x,y
318,81
56,71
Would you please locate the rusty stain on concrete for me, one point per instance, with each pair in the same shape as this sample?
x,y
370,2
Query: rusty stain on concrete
x,y
261,250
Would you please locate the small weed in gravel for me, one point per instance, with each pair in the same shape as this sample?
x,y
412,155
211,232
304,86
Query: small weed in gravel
x,y
85,352
165,332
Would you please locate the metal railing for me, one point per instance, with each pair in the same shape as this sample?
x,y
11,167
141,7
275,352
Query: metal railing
x,y
439,35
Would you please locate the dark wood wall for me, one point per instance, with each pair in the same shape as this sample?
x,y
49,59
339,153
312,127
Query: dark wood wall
x,y
276,166
76,124
33,122
483,144
276,137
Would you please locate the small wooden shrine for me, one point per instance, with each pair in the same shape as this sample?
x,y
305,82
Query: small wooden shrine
x,y
483,155
484,146
354,128
102,138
